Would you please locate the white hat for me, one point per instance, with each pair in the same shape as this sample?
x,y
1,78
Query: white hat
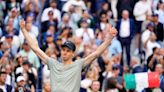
x,y
20,78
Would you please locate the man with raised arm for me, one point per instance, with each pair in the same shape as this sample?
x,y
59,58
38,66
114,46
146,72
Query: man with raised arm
x,y
65,76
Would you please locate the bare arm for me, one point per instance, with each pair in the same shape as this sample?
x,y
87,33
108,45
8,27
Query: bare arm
x,y
33,43
112,32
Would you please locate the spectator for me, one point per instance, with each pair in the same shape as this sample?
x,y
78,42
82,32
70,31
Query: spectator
x,y
31,30
158,29
141,9
78,3
16,18
86,16
10,4
31,9
150,44
13,42
136,65
95,86
160,12
146,34
125,27
22,85
85,32
56,12
153,59
159,69
46,87
30,55
51,21
2,9
104,21
115,49
3,85
29,73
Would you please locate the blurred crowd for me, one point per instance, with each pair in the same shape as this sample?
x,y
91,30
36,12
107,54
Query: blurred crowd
x,y
138,47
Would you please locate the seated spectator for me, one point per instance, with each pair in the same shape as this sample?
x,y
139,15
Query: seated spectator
x,y
9,28
77,3
5,87
22,85
89,18
153,59
56,12
136,65
159,69
95,86
46,86
31,9
31,56
158,29
28,72
85,32
66,34
51,21
150,44
16,18
13,42
32,30
110,85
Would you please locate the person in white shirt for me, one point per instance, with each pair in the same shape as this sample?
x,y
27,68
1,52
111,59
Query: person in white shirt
x,y
78,3
53,7
126,30
86,33
32,30
150,44
141,9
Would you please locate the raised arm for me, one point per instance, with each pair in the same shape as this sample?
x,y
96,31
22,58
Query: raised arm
x,y
111,34
33,43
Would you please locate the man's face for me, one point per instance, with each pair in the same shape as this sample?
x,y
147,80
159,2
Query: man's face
x,y
159,69
21,83
26,47
66,54
104,18
3,78
95,86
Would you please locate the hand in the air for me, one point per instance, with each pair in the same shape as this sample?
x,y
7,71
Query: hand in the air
x,y
111,32
22,24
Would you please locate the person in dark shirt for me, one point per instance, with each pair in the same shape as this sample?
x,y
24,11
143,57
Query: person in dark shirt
x,y
152,60
158,28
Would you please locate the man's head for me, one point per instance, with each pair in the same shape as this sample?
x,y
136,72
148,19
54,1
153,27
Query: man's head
x,y
26,47
159,68
53,4
155,17
26,65
95,86
125,14
150,26
103,16
84,23
14,12
2,77
68,49
20,81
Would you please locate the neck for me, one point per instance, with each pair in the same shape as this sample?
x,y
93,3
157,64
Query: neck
x,y
67,62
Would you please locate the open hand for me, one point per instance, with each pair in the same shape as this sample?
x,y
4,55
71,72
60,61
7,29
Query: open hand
x,y
22,24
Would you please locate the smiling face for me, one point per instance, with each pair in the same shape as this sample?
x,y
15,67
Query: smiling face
x,y
66,54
